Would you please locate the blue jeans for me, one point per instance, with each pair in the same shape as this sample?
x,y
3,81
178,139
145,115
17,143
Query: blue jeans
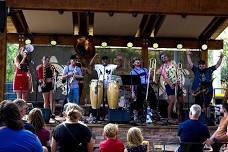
x,y
73,94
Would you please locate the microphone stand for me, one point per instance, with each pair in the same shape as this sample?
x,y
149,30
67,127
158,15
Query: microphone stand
x,y
104,89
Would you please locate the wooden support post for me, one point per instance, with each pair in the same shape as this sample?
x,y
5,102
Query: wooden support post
x,y
204,56
2,64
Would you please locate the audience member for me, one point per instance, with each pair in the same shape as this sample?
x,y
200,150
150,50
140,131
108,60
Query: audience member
x,y
22,106
13,137
112,143
71,136
35,117
220,133
192,132
135,141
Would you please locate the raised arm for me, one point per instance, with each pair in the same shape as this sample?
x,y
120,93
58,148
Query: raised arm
x,y
219,61
92,62
189,59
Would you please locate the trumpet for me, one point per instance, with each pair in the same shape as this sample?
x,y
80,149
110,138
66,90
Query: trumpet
x,y
152,67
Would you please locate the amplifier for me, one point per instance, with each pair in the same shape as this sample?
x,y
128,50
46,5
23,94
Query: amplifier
x,y
118,115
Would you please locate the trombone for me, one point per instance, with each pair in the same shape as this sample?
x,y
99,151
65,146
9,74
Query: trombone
x,y
152,67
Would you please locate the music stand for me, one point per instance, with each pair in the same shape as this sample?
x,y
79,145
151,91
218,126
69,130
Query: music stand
x,y
130,79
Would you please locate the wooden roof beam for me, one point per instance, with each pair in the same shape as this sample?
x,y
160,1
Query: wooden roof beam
x,y
213,27
188,7
158,25
119,41
19,21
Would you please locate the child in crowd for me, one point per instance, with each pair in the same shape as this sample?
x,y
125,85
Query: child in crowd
x,y
112,143
135,141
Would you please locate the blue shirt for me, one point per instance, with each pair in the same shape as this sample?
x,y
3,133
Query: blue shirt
x,y
19,141
72,69
205,76
193,131
143,72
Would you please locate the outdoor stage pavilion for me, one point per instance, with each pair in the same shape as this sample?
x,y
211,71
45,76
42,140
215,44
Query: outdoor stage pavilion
x,y
117,22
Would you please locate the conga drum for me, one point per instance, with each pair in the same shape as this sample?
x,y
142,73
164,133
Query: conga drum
x,y
113,94
96,93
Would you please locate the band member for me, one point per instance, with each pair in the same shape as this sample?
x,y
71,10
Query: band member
x,y
46,74
139,91
202,85
104,74
105,70
71,74
84,48
168,71
22,75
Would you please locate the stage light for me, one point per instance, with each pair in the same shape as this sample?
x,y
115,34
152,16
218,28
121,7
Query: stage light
x,y
204,47
28,41
179,46
129,45
53,42
155,45
104,44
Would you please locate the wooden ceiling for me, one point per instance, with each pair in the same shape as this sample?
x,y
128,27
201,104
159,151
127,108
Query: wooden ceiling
x,y
180,20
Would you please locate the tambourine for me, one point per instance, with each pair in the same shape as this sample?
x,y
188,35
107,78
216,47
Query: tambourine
x,y
28,48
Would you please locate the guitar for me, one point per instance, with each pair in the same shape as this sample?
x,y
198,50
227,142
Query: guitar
x,y
202,89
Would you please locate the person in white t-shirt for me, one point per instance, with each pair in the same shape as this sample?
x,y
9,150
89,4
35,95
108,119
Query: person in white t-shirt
x,y
104,73
105,70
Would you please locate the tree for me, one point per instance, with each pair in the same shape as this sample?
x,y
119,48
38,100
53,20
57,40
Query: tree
x,y
12,50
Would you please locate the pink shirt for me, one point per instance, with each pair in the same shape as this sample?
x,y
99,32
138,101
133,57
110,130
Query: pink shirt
x,y
111,145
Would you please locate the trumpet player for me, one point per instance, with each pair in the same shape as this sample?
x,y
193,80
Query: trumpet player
x,y
46,73
139,91
71,74
202,85
168,71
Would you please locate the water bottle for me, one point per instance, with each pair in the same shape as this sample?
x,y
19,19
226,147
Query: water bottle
x,y
149,115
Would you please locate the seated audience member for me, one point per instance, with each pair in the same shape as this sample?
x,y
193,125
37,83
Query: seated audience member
x,y
111,144
135,141
13,137
216,139
71,136
22,106
35,117
192,132
75,106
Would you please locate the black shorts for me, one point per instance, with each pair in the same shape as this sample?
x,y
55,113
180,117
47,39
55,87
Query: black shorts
x,y
48,87
171,91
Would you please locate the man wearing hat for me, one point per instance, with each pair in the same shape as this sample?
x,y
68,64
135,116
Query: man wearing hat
x,y
71,74
202,85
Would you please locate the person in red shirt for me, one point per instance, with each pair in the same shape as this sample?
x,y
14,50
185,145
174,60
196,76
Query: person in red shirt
x,y
111,144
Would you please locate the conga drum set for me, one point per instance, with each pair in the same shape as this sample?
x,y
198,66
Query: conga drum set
x,y
96,93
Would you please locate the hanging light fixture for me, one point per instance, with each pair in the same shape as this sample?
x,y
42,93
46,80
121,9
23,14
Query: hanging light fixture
x,y
179,46
28,41
129,44
53,42
204,47
155,45
104,44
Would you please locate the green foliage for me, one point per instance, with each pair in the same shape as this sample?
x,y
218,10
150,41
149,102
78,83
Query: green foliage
x,y
224,70
12,50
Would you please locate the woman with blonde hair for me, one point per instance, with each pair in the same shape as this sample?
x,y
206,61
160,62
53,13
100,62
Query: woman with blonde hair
x,y
35,118
71,136
135,141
